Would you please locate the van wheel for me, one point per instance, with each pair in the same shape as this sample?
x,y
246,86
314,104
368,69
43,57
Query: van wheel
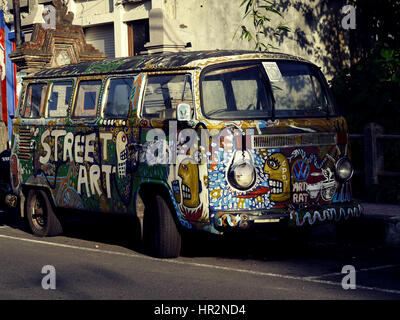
x,y
161,237
40,215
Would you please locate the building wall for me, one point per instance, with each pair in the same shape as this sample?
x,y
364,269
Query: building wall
x,y
102,38
316,33
99,12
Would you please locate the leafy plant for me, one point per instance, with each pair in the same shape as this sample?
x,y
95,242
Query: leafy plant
x,y
260,13
369,91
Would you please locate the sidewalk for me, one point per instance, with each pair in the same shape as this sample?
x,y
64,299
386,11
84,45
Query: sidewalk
x,y
382,222
379,225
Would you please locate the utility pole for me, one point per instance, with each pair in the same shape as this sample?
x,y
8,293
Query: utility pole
x,y
17,23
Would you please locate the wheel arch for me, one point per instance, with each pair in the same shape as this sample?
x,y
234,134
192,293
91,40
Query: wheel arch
x,y
146,189
23,193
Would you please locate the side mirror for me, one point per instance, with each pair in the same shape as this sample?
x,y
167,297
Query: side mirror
x,y
184,112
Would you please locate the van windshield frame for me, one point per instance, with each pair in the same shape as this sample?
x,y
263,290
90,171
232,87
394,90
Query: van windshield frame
x,y
262,103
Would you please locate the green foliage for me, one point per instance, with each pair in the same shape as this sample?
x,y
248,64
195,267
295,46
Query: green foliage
x,y
261,17
369,91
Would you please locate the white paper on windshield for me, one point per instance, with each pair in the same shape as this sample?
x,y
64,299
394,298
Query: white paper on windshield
x,y
273,72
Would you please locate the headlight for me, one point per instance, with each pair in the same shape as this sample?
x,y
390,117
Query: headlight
x,y
242,176
344,169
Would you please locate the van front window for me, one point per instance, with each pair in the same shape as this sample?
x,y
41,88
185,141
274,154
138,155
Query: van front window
x,y
263,90
298,91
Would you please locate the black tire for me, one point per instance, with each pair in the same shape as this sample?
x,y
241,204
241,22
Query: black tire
x,y
161,237
40,215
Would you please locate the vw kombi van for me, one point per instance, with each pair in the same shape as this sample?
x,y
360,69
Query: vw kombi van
x,y
215,141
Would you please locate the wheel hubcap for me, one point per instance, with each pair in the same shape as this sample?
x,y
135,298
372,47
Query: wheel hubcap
x,y
38,212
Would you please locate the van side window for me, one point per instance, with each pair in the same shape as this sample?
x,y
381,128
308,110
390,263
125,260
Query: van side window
x,y
86,99
59,99
164,93
34,100
118,99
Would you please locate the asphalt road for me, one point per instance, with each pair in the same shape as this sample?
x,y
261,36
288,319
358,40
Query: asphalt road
x,y
97,261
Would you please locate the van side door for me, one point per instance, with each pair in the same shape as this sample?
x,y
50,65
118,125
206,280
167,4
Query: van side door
x,y
118,134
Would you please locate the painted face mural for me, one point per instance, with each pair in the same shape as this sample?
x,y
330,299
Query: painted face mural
x,y
313,187
121,143
277,167
313,177
328,185
189,172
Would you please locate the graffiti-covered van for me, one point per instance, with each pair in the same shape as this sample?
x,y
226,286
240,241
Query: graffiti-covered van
x,y
215,141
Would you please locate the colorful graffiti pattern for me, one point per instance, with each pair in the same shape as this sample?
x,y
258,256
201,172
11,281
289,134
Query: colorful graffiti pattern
x,y
101,166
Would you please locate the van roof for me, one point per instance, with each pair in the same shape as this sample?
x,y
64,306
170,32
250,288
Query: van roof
x,y
157,62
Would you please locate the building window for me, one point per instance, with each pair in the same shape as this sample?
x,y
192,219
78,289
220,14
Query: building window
x,y
138,36
102,38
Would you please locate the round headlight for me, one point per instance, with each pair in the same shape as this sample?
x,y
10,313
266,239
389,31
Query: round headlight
x,y
242,176
344,169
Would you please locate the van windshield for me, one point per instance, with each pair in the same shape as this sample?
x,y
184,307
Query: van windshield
x,y
264,89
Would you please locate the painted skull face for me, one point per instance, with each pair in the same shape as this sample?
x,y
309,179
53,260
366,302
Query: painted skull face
x,y
277,166
328,185
122,152
189,172
314,184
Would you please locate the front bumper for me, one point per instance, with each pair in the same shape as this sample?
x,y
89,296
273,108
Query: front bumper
x,y
288,217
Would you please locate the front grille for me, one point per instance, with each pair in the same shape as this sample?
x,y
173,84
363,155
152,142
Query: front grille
x,y
293,140
25,146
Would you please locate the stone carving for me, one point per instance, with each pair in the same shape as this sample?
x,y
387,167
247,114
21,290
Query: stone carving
x,y
51,47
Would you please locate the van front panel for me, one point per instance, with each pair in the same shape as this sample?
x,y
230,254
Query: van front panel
x,y
279,118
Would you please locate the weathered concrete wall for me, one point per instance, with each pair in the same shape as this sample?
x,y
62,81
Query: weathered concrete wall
x,y
316,32
92,13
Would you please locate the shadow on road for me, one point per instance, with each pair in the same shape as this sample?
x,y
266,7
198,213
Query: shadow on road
x,y
325,243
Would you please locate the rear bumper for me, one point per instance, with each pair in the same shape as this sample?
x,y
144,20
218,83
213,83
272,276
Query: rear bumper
x,y
242,220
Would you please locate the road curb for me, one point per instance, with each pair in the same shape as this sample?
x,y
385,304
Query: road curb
x,y
378,225
392,231
382,223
